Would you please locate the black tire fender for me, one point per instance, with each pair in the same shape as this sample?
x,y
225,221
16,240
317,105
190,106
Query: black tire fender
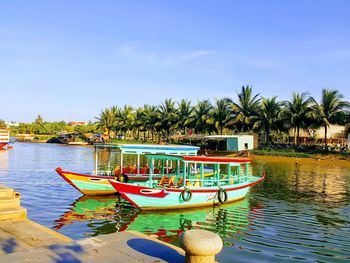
x,y
123,178
222,196
186,195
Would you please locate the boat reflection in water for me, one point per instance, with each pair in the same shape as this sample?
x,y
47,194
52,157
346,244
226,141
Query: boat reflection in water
x,y
108,214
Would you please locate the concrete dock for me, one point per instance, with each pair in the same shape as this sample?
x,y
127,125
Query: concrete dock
x,y
22,240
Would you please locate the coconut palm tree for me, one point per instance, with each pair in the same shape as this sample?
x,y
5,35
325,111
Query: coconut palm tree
x,y
245,109
126,118
150,119
268,116
331,110
296,113
202,116
184,115
221,114
107,120
138,123
167,116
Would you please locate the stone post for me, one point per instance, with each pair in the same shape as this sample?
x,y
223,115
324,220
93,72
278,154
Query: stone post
x,y
200,245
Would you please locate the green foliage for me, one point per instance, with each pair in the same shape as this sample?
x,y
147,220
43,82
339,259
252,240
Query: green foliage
x,y
281,152
2,124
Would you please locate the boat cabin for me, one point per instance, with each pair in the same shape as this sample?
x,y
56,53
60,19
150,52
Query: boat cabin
x,y
115,159
198,171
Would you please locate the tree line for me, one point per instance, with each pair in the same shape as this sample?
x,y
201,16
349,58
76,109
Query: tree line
x,y
248,113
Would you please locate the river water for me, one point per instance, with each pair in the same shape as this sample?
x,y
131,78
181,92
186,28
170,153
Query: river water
x,y
300,213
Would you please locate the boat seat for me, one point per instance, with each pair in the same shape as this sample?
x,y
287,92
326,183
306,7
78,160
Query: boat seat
x,y
163,181
180,182
197,183
171,181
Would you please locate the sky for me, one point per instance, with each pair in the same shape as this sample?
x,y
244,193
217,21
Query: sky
x,y
68,60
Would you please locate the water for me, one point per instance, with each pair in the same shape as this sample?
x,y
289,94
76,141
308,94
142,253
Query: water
x,y
301,212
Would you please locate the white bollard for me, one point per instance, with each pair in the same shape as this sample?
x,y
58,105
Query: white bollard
x,y
200,245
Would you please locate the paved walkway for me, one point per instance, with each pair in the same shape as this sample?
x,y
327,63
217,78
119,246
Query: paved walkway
x,y
118,247
22,240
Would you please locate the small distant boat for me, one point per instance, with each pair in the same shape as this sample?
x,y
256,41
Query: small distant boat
x,y
4,138
182,189
122,162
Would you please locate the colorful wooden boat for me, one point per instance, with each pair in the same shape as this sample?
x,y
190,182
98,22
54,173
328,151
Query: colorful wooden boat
x,y
182,189
123,162
4,138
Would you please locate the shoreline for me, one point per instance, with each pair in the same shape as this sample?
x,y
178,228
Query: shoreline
x,y
330,160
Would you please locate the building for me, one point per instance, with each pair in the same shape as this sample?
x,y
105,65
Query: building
x,y
77,123
336,134
230,142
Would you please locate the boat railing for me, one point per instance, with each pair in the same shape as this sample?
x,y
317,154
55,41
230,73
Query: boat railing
x,y
212,181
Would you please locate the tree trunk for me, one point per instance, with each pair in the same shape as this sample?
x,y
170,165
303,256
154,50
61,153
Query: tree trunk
x,y
295,137
152,135
325,137
221,129
267,136
298,129
144,135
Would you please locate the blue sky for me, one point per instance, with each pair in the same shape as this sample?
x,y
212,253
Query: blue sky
x,y
68,60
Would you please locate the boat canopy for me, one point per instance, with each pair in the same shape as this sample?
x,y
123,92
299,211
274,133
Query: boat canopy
x,y
192,168
151,149
211,159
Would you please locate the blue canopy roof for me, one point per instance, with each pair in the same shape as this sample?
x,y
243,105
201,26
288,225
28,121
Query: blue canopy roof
x,y
152,148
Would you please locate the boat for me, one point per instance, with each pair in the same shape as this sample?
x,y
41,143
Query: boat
x,y
4,138
125,162
230,181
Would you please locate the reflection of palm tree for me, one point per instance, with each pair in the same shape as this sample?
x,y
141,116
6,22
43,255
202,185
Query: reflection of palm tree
x,y
296,175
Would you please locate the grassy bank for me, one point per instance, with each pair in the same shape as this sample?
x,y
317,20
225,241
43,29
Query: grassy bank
x,y
132,141
302,154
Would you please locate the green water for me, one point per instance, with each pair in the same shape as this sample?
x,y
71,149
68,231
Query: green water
x,y
301,212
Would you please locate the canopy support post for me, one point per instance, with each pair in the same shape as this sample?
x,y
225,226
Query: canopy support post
x,y
138,163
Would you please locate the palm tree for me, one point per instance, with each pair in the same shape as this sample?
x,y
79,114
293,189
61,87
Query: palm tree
x,y
221,114
330,111
202,116
296,113
167,116
150,118
267,118
245,109
139,122
126,118
184,115
107,120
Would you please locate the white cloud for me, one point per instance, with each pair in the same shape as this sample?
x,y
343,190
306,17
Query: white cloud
x,y
137,52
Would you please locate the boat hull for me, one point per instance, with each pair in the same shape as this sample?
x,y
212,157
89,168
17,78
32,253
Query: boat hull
x,y
88,184
3,145
146,198
94,185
